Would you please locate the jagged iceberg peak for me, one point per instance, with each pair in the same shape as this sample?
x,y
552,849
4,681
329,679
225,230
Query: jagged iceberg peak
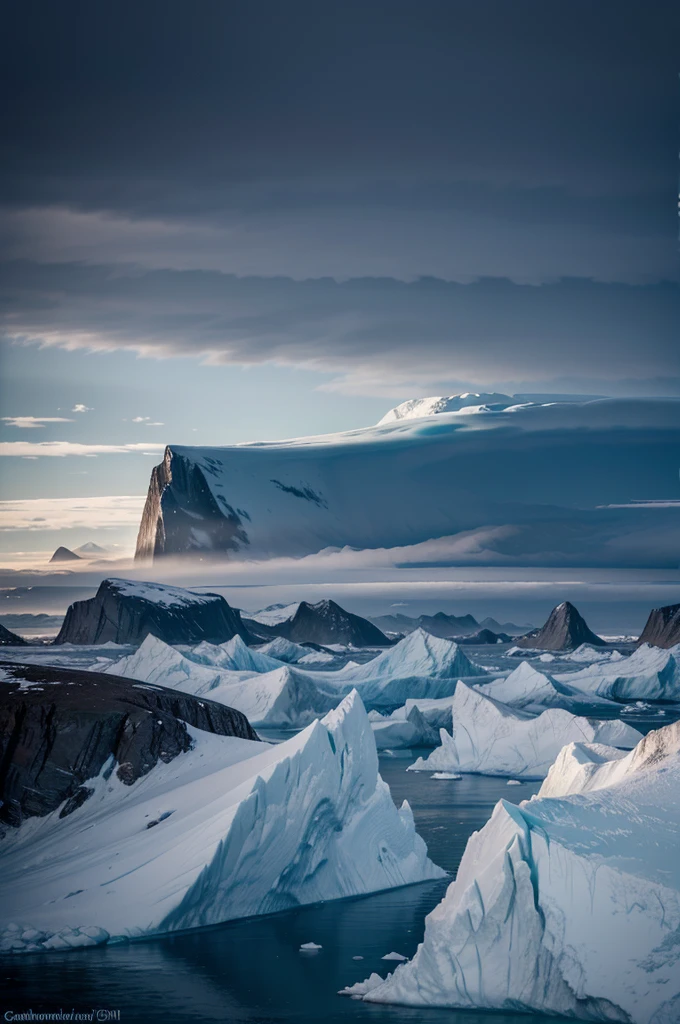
x,y
420,654
650,673
229,829
526,687
567,906
469,401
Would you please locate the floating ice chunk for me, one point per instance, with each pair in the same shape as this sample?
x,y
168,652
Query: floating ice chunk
x,y
361,988
514,782
446,775
310,947
393,956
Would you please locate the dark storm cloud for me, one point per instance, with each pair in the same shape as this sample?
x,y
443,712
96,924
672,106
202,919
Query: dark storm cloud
x,y
512,142
368,329
564,112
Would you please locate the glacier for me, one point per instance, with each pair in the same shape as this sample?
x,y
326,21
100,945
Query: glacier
x,y
228,829
490,738
564,905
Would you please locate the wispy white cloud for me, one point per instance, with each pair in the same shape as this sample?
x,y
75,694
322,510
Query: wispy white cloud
x,y
33,422
60,449
40,514
79,407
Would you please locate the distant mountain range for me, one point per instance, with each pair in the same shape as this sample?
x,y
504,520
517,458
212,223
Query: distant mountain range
x,y
444,625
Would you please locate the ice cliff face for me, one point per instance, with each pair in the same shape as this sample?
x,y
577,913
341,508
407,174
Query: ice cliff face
x,y
127,611
491,738
568,905
229,829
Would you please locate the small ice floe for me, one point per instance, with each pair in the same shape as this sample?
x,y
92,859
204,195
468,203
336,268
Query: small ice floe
x,y
393,956
310,947
446,775
357,958
514,782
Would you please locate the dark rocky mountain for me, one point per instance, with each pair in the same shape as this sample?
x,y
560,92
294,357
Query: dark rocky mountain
x,y
504,627
10,639
564,630
662,628
60,729
484,636
64,555
323,623
440,624
127,611
90,550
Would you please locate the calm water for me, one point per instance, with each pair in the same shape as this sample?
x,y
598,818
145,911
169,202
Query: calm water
x,y
251,972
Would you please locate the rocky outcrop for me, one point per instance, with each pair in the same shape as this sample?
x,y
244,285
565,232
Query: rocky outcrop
x,y
60,726
484,636
127,611
10,639
662,628
182,516
566,629
323,623
64,555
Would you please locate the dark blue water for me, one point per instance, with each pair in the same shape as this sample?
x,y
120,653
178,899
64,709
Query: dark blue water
x,y
251,972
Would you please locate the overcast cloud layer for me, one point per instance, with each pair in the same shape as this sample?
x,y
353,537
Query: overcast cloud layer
x,y
272,182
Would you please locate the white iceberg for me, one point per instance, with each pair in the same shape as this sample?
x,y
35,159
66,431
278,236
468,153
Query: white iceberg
x,y
528,688
234,656
585,767
240,828
391,733
285,650
566,906
420,665
284,698
490,738
651,673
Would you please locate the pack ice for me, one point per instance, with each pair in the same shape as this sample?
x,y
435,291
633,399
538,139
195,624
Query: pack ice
x,y
566,905
229,829
283,697
490,738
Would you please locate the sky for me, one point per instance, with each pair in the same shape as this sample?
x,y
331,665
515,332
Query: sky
x,y
245,221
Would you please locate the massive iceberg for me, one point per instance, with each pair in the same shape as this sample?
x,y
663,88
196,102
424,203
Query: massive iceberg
x,y
228,829
420,665
569,905
489,738
300,496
